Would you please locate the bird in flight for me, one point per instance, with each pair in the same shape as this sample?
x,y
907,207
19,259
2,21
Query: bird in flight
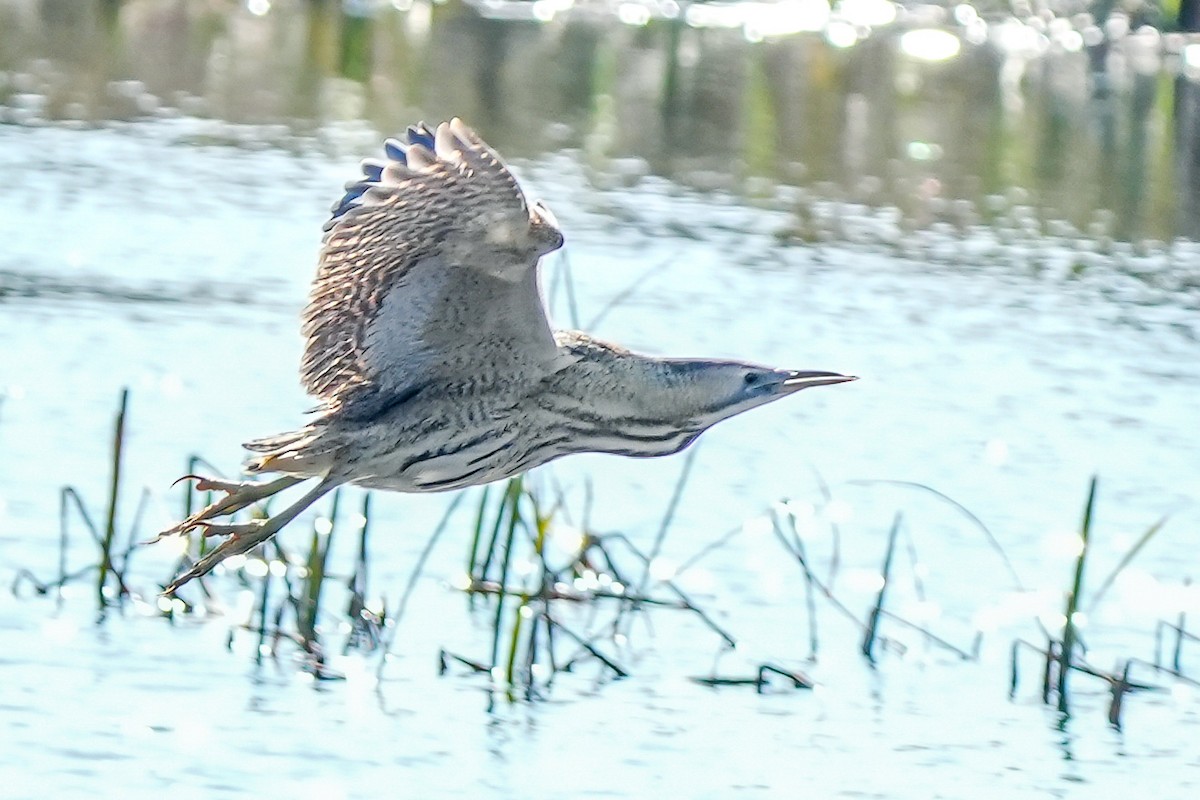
x,y
429,349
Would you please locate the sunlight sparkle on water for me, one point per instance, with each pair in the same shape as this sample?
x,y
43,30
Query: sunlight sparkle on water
x,y
799,509
1054,620
634,14
699,579
1065,544
995,452
566,539
171,385
867,13
59,631
321,789
244,603
785,18
173,545
841,34
257,568
930,44
1191,56
757,527
923,151
839,511
258,8
662,569
588,581
864,580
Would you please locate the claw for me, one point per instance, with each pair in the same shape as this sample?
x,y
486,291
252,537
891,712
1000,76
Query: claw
x,y
240,537
236,544
237,497
183,478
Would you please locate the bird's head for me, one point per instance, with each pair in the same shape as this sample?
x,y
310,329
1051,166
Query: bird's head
x,y
711,391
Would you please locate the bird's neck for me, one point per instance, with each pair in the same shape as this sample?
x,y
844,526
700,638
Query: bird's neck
x,y
614,401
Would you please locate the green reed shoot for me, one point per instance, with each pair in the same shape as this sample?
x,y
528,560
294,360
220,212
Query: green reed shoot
x,y
513,493
1070,633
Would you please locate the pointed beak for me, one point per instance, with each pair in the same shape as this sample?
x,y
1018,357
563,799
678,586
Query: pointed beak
x,y
794,381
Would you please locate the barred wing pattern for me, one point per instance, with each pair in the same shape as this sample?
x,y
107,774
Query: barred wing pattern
x,y
428,268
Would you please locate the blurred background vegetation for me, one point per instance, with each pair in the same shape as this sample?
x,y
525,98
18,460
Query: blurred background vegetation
x,y
939,111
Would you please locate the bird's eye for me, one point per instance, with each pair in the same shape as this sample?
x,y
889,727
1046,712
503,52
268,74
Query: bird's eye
x,y
751,379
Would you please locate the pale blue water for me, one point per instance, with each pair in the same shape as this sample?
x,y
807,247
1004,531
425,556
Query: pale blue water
x,y
166,243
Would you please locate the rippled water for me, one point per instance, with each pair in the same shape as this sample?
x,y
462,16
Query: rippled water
x,y
999,244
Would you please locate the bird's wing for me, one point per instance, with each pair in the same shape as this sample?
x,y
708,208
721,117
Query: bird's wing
x,y
428,272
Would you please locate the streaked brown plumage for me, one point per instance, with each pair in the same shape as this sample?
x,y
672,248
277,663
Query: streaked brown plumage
x,y
436,368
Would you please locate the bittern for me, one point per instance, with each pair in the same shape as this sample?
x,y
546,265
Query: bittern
x,y
429,349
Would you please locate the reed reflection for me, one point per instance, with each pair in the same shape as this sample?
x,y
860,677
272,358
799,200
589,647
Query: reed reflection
x,y
1076,112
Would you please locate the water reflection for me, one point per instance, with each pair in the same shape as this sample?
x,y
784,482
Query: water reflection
x,y
867,100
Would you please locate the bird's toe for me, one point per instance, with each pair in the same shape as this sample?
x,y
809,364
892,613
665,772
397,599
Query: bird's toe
x,y
231,530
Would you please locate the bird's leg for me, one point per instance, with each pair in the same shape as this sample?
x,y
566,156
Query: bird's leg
x,y
237,497
247,536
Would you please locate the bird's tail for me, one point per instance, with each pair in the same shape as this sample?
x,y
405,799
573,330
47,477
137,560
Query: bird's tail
x,y
303,453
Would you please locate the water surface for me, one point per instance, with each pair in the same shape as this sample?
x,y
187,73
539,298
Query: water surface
x,y
999,243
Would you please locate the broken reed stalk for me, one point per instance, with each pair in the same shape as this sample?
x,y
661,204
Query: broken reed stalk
x,y
975,520
1181,633
798,679
67,495
1070,632
110,526
868,645
933,638
1179,641
796,544
633,599
586,645
821,587
69,498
